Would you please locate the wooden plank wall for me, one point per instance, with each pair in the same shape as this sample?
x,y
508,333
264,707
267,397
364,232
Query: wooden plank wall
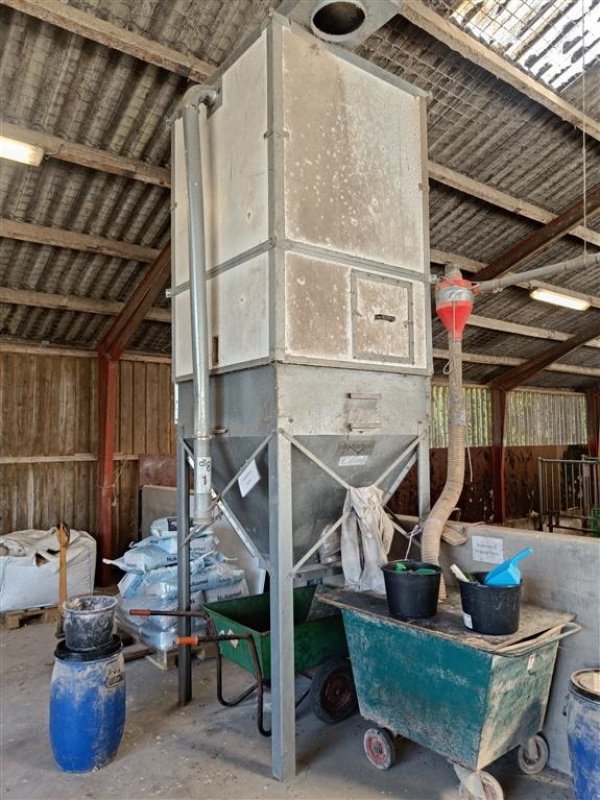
x,y
48,430
477,499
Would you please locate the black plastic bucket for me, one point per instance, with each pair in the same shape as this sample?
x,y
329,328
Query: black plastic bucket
x,y
89,621
411,596
493,610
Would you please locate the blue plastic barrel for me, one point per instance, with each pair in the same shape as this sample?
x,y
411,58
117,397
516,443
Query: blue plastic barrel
x,y
87,706
583,729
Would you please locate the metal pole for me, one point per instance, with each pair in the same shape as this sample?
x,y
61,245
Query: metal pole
x,y
541,494
283,724
423,475
193,99
183,567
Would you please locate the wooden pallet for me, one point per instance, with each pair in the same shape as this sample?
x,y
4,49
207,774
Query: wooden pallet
x,y
169,659
15,619
134,647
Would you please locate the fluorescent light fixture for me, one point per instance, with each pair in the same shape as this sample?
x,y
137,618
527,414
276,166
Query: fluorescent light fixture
x,y
20,151
559,299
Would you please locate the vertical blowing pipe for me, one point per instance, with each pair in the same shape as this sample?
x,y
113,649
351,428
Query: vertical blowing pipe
x,y
192,100
202,465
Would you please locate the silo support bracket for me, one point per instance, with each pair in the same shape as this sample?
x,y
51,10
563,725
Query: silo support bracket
x,y
406,453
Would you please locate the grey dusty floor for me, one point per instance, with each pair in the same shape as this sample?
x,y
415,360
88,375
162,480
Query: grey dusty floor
x,y
205,751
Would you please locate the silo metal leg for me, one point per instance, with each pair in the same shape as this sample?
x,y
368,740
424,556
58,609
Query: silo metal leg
x,y
423,478
283,723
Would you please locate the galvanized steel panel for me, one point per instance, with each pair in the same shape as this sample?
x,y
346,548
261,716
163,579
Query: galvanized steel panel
x,y
353,158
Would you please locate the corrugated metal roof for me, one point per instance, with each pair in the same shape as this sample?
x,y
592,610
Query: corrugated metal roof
x,y
62,84
483,128
542,37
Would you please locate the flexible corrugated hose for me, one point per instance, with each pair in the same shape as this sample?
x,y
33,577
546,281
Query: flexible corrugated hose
x,y
448,499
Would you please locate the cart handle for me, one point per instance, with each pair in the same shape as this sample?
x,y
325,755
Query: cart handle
x,y
218,637
188,640
547,637
149,612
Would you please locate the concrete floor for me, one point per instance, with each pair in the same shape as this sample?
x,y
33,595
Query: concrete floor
x,y
208,752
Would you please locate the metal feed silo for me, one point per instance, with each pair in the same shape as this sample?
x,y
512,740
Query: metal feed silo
x,y
303,169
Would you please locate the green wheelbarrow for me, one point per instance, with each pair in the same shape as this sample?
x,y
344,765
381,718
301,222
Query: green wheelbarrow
x,y
241,630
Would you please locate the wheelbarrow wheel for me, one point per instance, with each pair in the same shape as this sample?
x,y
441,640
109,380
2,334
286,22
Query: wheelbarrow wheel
x,y
332,691
380,748
491,788
529,763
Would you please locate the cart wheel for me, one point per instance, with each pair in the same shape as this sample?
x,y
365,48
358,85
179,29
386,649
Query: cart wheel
x,y
332,692
531,766
491,788
380,748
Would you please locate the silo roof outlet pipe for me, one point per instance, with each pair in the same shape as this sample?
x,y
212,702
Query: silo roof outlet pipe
x,y
193,99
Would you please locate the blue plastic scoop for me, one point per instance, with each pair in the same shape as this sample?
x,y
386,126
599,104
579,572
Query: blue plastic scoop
x,y
507,573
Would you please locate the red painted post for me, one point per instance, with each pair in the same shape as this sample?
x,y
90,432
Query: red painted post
x,y
107,415
110,349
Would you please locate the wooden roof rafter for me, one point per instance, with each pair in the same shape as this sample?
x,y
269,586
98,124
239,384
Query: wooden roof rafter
x,y
91,157
106,33
547,359
70,240
586,206
478,53
140,47
66,302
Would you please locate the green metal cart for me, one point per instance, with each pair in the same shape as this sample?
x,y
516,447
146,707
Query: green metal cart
x,y
468,697
241,629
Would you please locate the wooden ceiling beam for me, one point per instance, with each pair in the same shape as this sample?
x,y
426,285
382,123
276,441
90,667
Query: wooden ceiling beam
x,y
512,361
117,38
58,237
65,302
91,157
106,33
87,305
104,161
26,347
547,359
538,241
508,202
141,299
478,53
503,326
473,267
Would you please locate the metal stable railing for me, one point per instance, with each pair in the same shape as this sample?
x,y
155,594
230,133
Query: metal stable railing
x,y
569,492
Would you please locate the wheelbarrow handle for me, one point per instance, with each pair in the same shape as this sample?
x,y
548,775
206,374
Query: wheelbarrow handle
x,y
149,612
218,637
188,640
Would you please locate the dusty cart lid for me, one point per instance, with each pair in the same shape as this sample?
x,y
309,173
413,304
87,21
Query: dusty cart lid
x,y
586,682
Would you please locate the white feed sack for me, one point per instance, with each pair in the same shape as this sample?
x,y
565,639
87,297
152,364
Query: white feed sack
x,y
30,564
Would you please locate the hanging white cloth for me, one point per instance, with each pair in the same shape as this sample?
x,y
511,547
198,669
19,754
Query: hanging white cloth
x,y
367,534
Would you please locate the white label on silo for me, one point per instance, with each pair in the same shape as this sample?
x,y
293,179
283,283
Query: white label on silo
x,y
249,478
353,461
